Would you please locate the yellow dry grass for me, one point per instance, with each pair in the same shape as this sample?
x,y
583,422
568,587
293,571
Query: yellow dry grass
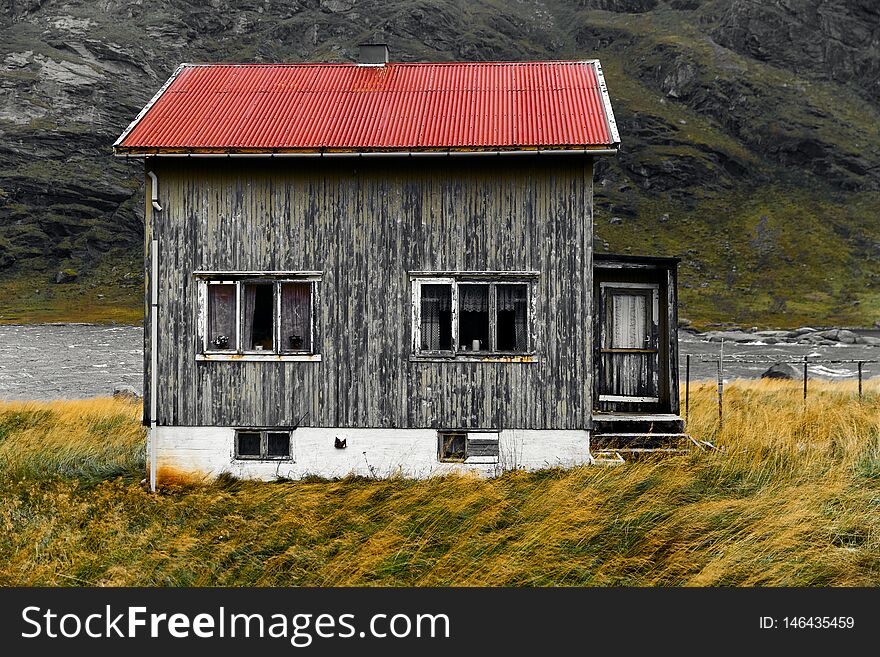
x,y
791,498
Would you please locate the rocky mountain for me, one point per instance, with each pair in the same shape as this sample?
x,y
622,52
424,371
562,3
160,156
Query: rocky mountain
x,y
751,133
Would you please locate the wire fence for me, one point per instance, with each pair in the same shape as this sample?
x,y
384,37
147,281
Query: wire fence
x,y
768,359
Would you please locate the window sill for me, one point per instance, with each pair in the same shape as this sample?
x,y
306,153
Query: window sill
x,y
267,358
487,358
473,460
257,459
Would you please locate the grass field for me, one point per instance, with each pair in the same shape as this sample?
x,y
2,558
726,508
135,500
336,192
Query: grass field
x,y
792,498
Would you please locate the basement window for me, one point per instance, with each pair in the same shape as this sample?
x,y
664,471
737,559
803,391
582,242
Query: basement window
x,y
467,446
254,316
453,446
262,445
472,316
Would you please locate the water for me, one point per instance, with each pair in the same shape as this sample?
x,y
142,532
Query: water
x,y
76,361
691,344
69,361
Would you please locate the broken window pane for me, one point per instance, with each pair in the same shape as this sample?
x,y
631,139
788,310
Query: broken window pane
x,y
248,443
296,320
511,309
436,313
221,316
278,444
258,312
473,317
453,446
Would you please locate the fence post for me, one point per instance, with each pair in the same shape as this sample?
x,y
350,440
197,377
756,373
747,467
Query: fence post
x,y
860,381
687,386
721,387
805,380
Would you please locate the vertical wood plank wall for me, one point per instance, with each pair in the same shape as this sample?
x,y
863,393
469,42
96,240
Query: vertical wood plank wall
x,y
366,223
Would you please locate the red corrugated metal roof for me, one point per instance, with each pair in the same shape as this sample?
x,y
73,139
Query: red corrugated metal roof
x,y
347,107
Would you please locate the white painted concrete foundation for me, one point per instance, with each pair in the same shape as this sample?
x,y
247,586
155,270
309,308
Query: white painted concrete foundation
x,y
210,451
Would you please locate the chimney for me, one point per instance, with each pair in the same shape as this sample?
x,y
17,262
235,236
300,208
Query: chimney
x,y
372,54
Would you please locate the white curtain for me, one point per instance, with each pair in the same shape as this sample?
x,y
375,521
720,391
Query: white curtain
x,y
435,299
629,321
473,298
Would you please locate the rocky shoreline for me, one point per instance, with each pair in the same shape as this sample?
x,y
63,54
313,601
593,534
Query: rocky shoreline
x,y
806,335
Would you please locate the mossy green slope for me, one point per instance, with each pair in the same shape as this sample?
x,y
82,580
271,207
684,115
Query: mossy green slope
x,y
751,133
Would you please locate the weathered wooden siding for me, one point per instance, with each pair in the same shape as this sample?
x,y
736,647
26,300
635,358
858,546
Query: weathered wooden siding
x,y
366,223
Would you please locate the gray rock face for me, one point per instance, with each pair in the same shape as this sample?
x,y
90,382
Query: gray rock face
x,y
73,74
781,371
833,39
622,6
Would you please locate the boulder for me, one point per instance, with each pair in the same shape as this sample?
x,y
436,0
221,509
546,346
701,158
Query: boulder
x,y
66,276
803,331
730,336
782,371
126,392
847,337
773,334
870,341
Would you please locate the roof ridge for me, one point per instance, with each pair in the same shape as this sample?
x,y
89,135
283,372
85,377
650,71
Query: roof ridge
x,y
547,62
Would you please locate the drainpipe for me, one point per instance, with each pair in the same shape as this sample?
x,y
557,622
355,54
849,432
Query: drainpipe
x,y
154,191
154,353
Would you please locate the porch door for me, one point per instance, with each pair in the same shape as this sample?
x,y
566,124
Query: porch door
x,y
629,358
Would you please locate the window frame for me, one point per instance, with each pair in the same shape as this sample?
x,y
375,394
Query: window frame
x,y
264,445
492,279
488,436
207,352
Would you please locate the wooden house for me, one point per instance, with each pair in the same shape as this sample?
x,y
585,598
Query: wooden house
x,y
381,268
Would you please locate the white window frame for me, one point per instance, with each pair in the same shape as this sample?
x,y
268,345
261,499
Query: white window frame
x,y
492,279
207,352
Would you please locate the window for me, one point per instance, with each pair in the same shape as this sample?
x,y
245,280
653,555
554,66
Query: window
x,y
453,446
465,316
467,446
262,445
253,316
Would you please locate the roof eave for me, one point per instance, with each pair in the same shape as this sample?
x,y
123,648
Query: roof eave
x,y
136,152
147,107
